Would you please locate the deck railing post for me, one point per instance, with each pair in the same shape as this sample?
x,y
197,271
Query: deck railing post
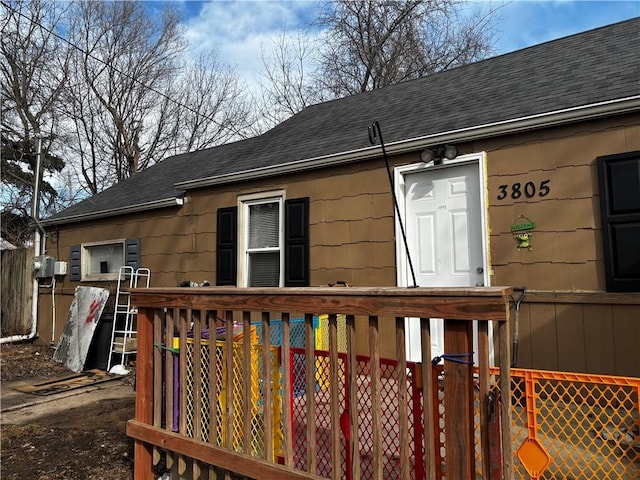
x,y
504,339
484,385
458,399
428,414
403,410
143,461
310,384
376,404
352,400
334,388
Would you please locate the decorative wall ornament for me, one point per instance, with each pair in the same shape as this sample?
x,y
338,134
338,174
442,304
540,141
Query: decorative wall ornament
x,y
521,230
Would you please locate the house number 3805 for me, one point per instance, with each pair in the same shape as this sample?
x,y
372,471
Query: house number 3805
x,y
529,190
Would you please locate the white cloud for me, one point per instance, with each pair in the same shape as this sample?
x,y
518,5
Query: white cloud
x,y
239,30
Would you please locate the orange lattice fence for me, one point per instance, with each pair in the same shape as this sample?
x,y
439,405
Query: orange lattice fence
x,y
568,425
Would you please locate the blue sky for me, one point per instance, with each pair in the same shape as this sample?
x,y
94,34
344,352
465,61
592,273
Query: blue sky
x,y
239,30
526,23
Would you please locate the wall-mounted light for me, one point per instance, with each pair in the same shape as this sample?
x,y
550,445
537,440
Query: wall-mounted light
x,y
437,153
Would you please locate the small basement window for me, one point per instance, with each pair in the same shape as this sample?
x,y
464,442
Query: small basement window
x,y
101,261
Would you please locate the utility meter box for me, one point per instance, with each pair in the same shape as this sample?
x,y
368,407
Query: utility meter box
x,y
44,266
60,268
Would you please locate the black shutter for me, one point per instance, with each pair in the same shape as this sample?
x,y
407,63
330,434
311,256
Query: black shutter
x,y
75,263
227,246
619,178
132,253
296,243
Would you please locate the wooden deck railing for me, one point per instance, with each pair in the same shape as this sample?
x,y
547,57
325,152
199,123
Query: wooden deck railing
x,y
199,401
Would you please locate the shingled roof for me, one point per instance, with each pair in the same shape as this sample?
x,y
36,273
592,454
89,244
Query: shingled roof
x,y
581,76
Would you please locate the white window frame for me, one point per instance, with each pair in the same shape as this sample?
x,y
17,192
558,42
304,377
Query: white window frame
x,y
244,202
86,255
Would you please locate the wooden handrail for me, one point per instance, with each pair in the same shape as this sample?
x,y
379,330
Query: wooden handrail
x,y
459,303
165,313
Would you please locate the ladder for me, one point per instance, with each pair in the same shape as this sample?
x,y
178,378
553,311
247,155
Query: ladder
x,y
124,334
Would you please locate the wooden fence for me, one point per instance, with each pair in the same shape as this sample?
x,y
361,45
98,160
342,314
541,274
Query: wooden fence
x,y
191,423
16,291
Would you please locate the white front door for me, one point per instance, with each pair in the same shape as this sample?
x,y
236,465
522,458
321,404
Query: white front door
x,y
444,228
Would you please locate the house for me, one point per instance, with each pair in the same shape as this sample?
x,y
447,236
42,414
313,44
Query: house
x,y
543,193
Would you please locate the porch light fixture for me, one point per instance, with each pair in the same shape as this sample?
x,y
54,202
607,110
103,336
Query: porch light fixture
x,y
438,152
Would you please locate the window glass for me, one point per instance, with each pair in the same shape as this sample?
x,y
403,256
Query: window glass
x,y
102,261
260,231
264,225
264,269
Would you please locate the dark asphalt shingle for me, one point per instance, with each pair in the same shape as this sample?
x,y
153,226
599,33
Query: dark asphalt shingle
x,y
579,70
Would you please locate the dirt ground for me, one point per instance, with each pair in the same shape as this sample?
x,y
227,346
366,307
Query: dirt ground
x,y
79,437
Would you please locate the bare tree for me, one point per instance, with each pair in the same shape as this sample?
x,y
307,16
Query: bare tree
x,y
122,60
369,44
114,87
207,105
286,88
34,73
138,96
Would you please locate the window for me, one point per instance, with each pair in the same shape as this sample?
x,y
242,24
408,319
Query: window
x,y
101,261
619,178
263,241
261,259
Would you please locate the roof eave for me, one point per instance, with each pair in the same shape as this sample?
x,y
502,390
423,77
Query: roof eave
x,y
141,207
559,117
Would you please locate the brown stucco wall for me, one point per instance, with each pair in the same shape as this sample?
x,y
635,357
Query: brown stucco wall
x,y
352,238
567,245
